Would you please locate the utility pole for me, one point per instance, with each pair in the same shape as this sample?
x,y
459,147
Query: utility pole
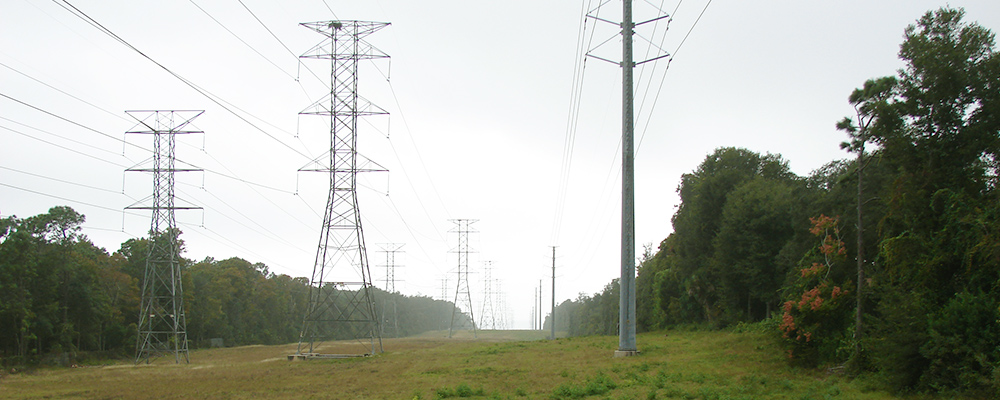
x,y
462,227
552,314
626,307
541,317
534,309
341,299
162,325
534,301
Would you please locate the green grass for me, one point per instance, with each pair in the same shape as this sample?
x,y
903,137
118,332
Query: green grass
x,y
496,365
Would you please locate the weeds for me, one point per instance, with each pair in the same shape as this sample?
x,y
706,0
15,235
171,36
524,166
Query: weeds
x,y
598,385
462,390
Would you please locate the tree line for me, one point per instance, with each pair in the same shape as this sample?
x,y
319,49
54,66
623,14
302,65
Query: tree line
x,y
887,262
62,296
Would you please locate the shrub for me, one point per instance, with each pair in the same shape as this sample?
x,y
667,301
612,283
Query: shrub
x,y
962,345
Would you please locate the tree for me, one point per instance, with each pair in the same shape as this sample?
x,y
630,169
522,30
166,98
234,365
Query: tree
x,y
60,225
647,313
941,205
699,219
17,272
756,224
870,102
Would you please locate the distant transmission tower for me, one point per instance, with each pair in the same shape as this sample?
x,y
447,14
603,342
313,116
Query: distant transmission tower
x,y
462,291
488,316
162,323
390,250
444,289
341,302
504,316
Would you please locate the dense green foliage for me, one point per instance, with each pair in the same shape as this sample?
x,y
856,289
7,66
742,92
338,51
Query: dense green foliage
x,y
61,295
914,295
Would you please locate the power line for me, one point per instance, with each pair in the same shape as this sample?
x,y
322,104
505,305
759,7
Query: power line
x,y
211,97
409,229
301,64
64,181
667,68
63,118
65,199
61,137
253,221
63,147
233,176
572,119
63,92
68,120
248,183
241,39
419,201
268,29
642,69
331,10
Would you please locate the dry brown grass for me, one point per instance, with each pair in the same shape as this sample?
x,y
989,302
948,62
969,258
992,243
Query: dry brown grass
x,y
496,364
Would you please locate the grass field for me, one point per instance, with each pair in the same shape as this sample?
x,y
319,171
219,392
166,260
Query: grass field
x,y
501,365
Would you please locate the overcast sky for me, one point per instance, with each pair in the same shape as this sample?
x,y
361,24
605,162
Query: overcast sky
x,y
480,97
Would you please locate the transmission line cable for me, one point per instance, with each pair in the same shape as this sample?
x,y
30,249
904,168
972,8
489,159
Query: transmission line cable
x,y
65,181
71,96
63,147
70,121
63,138
299,60
211,97
65,199
231,174
652,66
241,39
572,121
331,10
409,182
409,229
253,221
252,185
667,68
249,183
64,92
223,240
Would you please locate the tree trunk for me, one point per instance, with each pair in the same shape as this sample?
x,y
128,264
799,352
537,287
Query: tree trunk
x,y
861,256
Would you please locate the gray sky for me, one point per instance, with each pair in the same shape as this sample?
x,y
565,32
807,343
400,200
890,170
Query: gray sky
x,y
479,94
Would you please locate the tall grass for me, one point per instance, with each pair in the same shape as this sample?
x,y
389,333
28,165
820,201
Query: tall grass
x,y
672,365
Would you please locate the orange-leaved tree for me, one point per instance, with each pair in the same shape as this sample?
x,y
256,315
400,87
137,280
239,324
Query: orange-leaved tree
x,y
817,310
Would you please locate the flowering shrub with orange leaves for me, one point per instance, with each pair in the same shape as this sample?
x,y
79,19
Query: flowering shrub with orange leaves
x,y
816,310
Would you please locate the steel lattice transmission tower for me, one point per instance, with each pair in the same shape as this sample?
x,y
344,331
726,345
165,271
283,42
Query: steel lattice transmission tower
x,y
390,250
162,325
488,316
462,290
341,302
